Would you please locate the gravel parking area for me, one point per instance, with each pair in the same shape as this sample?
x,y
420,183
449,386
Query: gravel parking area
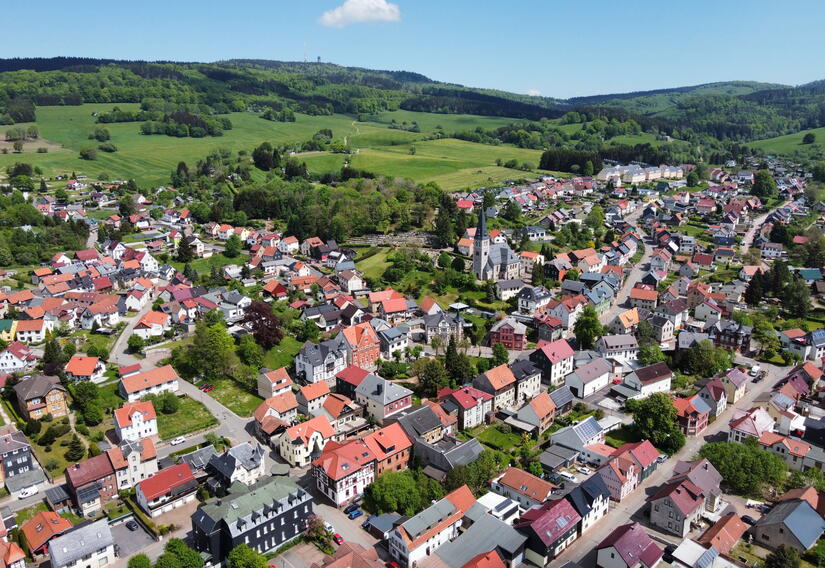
x,y
130,542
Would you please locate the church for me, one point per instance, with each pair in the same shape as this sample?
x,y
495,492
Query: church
x,y
492,261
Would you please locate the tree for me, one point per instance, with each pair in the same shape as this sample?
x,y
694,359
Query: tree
x,y
755,292
457,364
53,357
135,343
185,252
86,392
167,403
212,352
396,491
783,557
745,467
595,219
18,147
655,419
650,353
538,276
168,560
444,260
433,376
187,557
264,325
512,211
252,354
763,184
797,298
500,355
76,450
705,359
126,206
92,414
88,154
264,157
139,561
588,329
244,557
233,246
692,179
457,264
572,275
809,138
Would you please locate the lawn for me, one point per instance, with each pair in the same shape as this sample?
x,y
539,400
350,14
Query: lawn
x,y
497,439
191,416
234,397
205,264
374,266
621,435
283,354
790,142
26,514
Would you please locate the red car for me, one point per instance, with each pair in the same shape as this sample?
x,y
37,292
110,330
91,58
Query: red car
x,y
392,564
338,539
209,388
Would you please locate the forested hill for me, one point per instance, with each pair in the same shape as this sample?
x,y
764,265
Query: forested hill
x,y
739,111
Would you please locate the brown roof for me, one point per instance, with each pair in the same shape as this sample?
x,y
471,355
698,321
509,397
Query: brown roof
x,y
724,533
500,377
147,379
527,484
89,470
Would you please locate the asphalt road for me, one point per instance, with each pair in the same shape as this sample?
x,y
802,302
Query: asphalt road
x,y
583,549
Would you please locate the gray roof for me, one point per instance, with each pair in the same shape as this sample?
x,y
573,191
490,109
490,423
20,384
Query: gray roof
x,y
592,370
385,522
576,437
799,517
418,421
486,534
518,327
687,339
381,390
13,441
245,455
429,517
316,353
20,481
198,459
624,341
57,495
38,385
242,503
79,541
555,456
561,396
516,284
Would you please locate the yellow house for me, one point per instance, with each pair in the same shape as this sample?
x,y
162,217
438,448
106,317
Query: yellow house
x,y
8,328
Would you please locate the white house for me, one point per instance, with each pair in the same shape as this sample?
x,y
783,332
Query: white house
x,y
589,378
154,381
153,324
135,421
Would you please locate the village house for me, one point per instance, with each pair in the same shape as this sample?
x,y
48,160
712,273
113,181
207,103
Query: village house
x,y
135,421
153,381
167,490
83,368
501,384
41,395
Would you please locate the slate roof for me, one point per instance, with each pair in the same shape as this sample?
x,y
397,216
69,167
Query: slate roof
x,y
82,540
799,518
381,390
634,545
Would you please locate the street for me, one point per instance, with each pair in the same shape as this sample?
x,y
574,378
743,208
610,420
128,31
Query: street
x,y
583,549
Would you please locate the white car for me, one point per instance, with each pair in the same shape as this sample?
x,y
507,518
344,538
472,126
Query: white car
x,y
569,477
27,492
584,470
329,527
178,440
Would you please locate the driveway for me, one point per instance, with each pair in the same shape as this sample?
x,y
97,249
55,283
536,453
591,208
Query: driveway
x,y
349,529
130,542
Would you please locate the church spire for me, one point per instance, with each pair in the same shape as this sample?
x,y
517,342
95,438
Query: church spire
x,y
481,230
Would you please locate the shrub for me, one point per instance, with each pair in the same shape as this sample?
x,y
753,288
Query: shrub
x,y
42,150
108,147
88,154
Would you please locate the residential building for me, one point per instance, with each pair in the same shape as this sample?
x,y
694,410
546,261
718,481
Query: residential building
x,y
343,471
301,443
444,326
362,344
272,383
730,335
167,490
589,378
91,484
724,534
421,535
471,404
591,500
692,414
793,523
41,395
735,382
42,528
715,396
550,528
82,368
381,398
312,397
646,381
554,359
501,383
317,362
135,421
619,347
133,462
524,488
279,411
509,332
528,380
15,453
154,381
620,475
676,506
749,424
87,544
264,516
391,448
244,463
628,546
539,412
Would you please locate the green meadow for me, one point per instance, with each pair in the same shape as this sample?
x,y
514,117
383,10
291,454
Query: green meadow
x,y
376,147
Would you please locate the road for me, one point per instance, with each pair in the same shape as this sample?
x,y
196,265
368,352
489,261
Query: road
x,y
119,353
583,549
635,274
751,233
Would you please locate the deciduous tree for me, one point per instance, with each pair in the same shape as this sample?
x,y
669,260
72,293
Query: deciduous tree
x,y
263,324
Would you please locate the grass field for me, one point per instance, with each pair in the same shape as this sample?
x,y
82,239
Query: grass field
x,y
149,159
191,416
374,266
233,397
282,354
791,142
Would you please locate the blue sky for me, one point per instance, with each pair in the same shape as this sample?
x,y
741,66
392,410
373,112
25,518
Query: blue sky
x,y
558,48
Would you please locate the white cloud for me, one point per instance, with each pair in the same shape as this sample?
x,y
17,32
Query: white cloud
x,y
358,11
534,92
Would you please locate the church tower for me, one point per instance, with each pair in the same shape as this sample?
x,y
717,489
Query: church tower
x,y
481,246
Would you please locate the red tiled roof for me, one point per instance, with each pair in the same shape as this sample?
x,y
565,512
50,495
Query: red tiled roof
x,y
148,379
165,480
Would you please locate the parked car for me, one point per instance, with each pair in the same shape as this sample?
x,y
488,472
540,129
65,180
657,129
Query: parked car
x,y
132,526
178,440
356,513
350,508
27,492
747,519
583,470
392,564
754,370
338,539
328,527
569,476
209,388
